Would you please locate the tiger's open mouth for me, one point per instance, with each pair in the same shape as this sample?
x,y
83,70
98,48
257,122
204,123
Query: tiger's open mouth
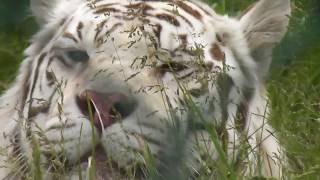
x,y
97,161
102,167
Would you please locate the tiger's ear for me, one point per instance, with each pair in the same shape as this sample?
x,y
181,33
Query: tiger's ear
x,y
264,24
43,10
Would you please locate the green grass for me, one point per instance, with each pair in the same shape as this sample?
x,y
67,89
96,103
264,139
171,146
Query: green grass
x,y
11,48
13,41
294,88
295,96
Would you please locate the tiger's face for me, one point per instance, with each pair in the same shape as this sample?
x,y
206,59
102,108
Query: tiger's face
x,y
107,81
134,74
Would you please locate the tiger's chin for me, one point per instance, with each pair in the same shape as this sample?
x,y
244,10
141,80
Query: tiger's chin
x,y
94,164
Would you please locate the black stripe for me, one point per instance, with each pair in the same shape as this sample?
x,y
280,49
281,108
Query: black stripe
x,y
25,88
50,78
241,116
102,6
183,40
243,109
113,28
142,7
35,79
189,9
34,111
79,30
106,10
99,28
169,18
49,74
61,126
224,87
100,40
62,21
179,15
44,107
157,31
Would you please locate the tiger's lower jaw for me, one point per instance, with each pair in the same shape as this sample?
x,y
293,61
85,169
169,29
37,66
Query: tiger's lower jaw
x,y
94,166
91,169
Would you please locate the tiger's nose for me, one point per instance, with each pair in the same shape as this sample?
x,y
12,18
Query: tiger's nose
x,y
105,108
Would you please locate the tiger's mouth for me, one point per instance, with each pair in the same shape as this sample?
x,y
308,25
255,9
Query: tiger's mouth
x,y
103,109
97,163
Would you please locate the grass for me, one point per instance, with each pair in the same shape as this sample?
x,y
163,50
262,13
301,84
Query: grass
x,y
11,48
295,95
13,41
294,91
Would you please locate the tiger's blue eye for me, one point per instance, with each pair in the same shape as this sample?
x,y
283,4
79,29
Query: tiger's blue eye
x,y
78,56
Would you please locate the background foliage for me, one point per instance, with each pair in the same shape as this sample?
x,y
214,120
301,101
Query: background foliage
x,y
294,85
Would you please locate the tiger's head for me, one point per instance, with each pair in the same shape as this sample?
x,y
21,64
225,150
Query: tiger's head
x,y
107,81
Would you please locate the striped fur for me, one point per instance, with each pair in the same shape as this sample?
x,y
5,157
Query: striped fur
x,y
161,54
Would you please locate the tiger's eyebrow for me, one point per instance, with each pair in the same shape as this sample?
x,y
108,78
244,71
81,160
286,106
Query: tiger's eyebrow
x,y
68,35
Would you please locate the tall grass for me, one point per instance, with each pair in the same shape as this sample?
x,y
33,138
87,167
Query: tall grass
x,y
295,95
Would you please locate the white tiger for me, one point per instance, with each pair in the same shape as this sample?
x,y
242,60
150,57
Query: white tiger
x,y
117,76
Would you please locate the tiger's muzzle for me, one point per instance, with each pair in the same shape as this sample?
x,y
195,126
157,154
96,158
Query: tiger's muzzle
x,y
105,108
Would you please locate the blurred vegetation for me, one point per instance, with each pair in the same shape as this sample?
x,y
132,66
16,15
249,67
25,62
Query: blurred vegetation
x,y
12,12
16,27
295,95
294,85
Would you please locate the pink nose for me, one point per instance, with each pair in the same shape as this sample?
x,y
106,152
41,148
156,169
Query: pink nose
x,y
106,108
